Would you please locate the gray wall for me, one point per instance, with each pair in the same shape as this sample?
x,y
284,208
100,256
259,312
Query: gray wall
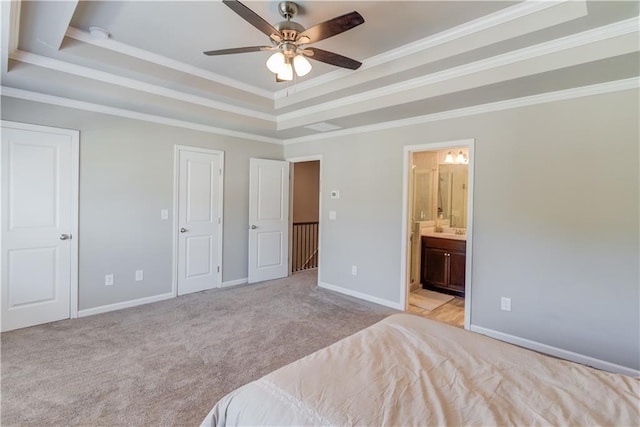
x,y
556,219
126,178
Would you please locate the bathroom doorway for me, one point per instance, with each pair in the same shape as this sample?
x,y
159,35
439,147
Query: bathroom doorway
x,y
437,231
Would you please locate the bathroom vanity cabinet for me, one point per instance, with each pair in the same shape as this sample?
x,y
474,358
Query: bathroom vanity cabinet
x,y
443,264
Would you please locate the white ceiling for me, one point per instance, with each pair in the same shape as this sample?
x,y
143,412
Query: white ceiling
x,y
419,58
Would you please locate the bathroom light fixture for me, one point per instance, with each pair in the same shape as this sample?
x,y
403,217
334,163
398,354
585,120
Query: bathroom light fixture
x,y
449,157
461,158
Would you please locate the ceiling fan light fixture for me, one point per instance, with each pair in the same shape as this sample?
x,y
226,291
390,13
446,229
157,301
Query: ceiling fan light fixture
x,y
302,65
286,73
276,63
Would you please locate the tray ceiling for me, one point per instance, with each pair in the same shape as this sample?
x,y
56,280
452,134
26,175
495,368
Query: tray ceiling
x,y
419,58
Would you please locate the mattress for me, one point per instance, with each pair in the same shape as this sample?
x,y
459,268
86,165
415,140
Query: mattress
x,y
407,370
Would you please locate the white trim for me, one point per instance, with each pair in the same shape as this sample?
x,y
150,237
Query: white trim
x,y
405,286
14,27
236,282
176,199
10,15
561,95
610,31
113,111
360,295
138,85
163,61
309,158
75,197
557,352
176,225
468,288
125,304
467,29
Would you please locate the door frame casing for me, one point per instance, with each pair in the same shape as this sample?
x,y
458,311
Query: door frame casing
x,y
310,158
405,241
75,179
176,200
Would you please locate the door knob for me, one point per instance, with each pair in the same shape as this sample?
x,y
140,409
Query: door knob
x,y
183,230
65,236
253,227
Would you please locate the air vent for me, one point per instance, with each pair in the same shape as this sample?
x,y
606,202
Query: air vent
x,y
323,127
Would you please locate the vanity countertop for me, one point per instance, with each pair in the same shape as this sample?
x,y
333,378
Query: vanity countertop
x,y
443,235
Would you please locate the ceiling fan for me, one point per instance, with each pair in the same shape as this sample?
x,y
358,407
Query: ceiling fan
x,y
289,40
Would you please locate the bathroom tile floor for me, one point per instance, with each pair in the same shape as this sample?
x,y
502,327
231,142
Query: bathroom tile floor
x,y
451,312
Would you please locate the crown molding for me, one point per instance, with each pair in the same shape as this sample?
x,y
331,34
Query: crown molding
x,y
467,29
591,90
10,30
129,114
606,32
163,61
14,25
579,92
91,73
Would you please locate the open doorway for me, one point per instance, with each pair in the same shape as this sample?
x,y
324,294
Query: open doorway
x,y
436,256
305,215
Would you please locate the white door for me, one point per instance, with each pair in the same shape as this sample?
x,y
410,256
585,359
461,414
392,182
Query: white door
x,y
199,221
268,219
39,223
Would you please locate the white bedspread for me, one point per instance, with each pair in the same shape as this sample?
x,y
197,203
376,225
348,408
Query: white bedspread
x,y
411,371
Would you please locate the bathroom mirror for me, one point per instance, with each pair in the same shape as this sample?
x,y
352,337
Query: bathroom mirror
x,y
452,193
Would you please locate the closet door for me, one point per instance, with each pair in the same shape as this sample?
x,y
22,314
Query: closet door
x,y
39,223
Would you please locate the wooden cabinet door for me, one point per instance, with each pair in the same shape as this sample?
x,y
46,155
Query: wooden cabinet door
x,y
457,264
436,268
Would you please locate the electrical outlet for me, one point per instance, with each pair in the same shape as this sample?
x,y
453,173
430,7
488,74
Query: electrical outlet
x,y
354,270
108,279
139,275
505,304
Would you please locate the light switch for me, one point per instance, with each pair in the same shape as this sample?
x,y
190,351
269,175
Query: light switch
x,y
332,215
164,214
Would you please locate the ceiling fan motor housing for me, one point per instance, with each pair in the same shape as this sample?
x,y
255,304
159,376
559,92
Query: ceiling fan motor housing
x,y
290,30
287,9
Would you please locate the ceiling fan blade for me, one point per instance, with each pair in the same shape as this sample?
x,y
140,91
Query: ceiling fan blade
x,y
332,58
252,18
333,27
237,50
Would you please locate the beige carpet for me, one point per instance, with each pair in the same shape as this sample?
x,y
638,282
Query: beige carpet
x,y
167,363
427,299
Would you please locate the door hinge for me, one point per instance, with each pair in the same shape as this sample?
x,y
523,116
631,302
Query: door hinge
x,y
219,221
218,269
220,172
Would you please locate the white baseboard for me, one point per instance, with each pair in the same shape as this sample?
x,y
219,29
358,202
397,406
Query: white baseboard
x,y
360,295
234,282
557,352
124,304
